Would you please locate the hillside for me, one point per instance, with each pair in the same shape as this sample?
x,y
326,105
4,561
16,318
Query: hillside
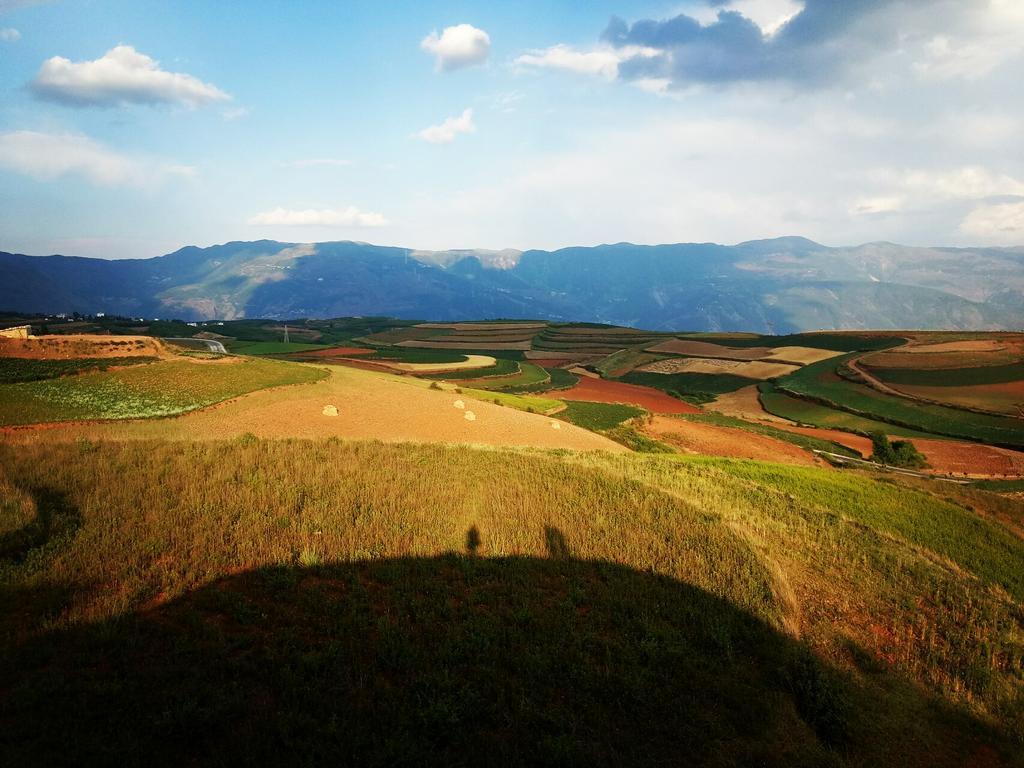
x,y
294,601
769,286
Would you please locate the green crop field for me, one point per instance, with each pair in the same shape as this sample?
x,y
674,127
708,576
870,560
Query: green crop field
x,y
598,416
950,377
272,347
817,415
160,389
528,377
702,387
521,402
275,601
834,342
819,382
17,369
502,367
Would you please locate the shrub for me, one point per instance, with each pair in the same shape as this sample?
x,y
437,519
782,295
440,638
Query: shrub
x,y
900,453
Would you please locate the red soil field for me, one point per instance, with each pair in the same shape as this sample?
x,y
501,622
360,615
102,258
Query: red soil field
x,y
711,440
605,391
945,457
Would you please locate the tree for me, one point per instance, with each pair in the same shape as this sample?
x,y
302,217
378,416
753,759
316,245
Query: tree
x,y
899,453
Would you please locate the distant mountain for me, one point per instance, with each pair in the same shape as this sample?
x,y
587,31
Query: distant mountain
x,y
768,286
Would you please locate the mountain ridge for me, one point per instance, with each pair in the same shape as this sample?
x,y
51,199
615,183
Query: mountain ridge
x,y
778,285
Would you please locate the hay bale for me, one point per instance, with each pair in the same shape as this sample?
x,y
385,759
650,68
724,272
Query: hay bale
x,y
330,410
459,404
470,416
555,425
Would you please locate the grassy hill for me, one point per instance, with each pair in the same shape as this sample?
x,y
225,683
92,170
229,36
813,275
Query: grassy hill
x,y
300,602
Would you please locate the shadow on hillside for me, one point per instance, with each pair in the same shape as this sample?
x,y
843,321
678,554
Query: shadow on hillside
x,y
56,516
449,660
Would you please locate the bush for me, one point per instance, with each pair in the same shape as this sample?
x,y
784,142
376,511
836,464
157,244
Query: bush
x,y
900,453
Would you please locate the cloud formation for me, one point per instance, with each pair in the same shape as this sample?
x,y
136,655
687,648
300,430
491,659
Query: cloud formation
x,y
997,223
9,35
446,132
805,44
326,217
457,47
48,156
121,76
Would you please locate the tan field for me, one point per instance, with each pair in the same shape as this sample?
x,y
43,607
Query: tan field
x,y
976,345
370,406
484,326
755,369
801,355
70,346
706,349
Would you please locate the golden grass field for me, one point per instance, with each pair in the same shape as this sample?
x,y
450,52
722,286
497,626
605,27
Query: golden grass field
x,y
371,406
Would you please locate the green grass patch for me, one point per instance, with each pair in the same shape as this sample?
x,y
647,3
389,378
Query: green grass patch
x,y
598,417
16,369
161,389
529,377
1000,486
529,403
830,341
950,377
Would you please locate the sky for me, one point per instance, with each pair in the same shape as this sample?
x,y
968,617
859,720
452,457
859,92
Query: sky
x,y
131,129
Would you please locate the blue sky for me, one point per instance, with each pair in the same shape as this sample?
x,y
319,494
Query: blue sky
x,y
130,129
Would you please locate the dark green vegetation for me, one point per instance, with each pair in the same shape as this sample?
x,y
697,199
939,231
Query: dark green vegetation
x,y
694,387
15,369
897,453
836,342
160,389
820,383
598,417
950,377
261,602
783,285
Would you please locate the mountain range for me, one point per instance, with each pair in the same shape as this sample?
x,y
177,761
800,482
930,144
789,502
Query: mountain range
x,y
781,285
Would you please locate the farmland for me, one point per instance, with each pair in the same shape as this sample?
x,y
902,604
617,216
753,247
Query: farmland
x,y
488,530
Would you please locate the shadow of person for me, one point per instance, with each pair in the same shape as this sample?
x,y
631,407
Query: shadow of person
x,y
425,661
554,540
472,540
55,516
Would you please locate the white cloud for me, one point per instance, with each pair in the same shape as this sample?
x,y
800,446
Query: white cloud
x,y
446,132
968,183
602,61
872,206
9,35
456,47
318,162
326,217
121,76
48,156
1000,223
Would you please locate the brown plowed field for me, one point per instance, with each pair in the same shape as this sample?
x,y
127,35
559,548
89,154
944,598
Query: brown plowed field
x,y
594,390
752,369
1007,398
725,441
73,346
485,326
371,406
744,404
